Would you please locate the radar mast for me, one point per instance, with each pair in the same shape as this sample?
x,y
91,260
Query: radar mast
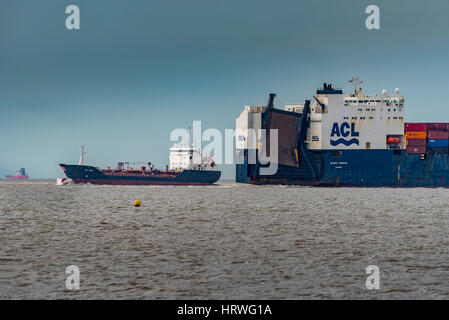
x,y
82,153
356,82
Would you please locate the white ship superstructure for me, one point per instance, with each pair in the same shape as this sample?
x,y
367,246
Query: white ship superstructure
x,y
338,121
181,157
356,121
186,156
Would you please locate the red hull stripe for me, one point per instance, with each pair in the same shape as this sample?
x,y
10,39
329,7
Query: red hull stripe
x,y
138,183
17,178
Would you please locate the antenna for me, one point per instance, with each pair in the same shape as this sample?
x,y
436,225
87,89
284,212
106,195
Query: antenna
x,y
356,82
82,153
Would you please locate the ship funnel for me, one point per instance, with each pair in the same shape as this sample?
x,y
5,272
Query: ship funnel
x,y
327,87
271,100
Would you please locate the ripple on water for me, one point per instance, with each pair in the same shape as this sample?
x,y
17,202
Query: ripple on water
x,y
226,241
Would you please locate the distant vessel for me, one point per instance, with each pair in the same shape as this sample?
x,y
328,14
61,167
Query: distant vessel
x,y
187,167
20,175
344,140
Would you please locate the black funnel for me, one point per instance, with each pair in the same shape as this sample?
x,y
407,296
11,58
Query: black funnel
x,y
271,100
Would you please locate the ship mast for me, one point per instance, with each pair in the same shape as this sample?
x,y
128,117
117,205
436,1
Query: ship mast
x,y
356,82
189,129
82,153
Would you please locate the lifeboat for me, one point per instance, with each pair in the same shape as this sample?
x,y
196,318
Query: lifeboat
x,y
391,140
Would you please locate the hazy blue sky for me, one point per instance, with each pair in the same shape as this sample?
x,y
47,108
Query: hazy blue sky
x,y
138,69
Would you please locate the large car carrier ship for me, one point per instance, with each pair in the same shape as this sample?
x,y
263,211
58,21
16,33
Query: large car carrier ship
x,y
344,140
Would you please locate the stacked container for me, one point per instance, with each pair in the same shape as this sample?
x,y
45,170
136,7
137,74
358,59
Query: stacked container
x,y
423,136
438,126
438,136
416,137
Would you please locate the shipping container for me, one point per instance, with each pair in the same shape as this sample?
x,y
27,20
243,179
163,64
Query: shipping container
x,y
416,142
438,135
415,134
439,143
415,126
438,126
416,149
438,150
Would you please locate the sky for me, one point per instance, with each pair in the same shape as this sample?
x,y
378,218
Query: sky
x,y
138,69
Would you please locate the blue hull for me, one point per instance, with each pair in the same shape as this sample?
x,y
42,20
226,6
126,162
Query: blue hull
x,y
89,174
360,168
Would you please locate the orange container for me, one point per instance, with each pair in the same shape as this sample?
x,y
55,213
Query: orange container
x,y
415,134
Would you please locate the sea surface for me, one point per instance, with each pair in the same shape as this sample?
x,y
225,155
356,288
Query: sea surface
x,y
226,241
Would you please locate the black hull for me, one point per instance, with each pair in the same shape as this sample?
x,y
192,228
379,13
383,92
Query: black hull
x,y
89,174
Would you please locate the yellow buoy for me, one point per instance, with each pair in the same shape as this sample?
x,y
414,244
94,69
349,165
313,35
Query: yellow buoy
x,y
136,203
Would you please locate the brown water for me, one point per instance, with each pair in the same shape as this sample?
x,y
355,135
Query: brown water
x,y
228,241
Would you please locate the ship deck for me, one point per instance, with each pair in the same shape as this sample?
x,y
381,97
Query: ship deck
x,y
138,173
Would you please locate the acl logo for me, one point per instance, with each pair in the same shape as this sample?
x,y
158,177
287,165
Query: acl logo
x,y
344,130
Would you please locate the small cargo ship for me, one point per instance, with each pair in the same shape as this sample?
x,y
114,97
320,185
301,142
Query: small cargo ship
x,y
20,175
343,140
186,168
